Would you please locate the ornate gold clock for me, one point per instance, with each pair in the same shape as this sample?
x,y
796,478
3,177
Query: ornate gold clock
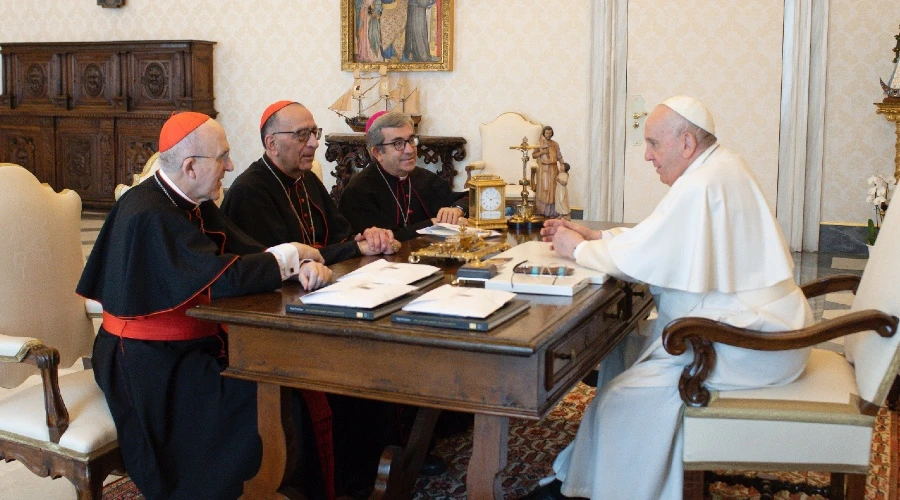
x,y
487,201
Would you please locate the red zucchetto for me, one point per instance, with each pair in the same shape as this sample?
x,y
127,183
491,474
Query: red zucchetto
x,y
178,126
372,119
271,110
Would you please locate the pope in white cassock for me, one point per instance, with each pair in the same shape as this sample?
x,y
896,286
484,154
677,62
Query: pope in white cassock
x,y
710,249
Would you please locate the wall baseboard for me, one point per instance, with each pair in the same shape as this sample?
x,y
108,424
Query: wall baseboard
x,y
842,238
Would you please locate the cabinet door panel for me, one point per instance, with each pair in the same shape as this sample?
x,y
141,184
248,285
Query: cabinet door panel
x,y
28,141
157,80
35,81
95,81
85,150
136,141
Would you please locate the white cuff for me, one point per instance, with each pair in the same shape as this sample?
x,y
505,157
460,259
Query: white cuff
x,y
577,248
288,259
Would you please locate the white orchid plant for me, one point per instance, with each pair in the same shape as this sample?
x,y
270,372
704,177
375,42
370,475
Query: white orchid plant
x,y
879,195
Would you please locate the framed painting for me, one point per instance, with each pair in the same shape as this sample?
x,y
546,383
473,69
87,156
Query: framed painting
x,y
404,35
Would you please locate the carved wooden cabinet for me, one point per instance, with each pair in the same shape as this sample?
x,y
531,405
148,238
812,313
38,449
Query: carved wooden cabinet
x,y
86,115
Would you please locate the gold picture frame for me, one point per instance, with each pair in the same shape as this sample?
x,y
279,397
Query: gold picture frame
x,y
393,26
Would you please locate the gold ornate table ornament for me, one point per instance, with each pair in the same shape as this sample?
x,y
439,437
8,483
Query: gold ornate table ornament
x,y
467,248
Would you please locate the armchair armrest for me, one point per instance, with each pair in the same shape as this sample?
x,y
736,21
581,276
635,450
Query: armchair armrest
x,y
702,332
472,167
46,359
93,308
830,284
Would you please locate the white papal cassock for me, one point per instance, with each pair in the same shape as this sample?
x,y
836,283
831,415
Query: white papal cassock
x,y
710,249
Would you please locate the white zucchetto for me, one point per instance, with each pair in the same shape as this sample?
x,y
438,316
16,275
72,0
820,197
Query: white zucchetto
x,y
693,111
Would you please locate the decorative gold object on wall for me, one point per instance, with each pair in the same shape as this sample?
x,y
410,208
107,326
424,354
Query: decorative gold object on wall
x,y
891,111
892,88
890,106
405,35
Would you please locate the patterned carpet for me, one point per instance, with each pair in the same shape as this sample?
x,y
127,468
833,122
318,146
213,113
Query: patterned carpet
x,y
533,446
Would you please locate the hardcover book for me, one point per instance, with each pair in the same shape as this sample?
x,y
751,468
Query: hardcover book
x,y
369,314
510,310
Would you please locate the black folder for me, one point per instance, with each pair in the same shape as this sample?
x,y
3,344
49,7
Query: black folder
x,y
509,311
352,312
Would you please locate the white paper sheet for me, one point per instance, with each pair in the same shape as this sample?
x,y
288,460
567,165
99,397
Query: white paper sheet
x,y
460,301
354,293
444,229
394,273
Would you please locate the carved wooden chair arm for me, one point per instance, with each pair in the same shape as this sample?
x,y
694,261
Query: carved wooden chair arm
x,y
830,284
46,359
474,167
701,333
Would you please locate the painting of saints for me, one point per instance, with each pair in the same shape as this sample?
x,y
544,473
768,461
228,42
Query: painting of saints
x,y
397,30
417,47
368,31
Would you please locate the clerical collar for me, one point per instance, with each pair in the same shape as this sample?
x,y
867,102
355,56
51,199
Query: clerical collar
x,y
286,180
385,172
175,188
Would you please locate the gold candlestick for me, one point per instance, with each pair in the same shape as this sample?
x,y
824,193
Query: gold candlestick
x,y
525,218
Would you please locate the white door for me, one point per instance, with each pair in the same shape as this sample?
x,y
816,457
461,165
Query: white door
x,y
728,53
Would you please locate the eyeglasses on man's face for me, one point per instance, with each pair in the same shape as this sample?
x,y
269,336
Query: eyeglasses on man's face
x,y
302,134
222,158
400,144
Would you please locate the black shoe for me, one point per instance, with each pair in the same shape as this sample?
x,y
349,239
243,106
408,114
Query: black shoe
x,y
433,466
549,491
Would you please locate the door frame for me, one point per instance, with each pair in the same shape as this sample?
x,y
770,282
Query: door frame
x,y
801,136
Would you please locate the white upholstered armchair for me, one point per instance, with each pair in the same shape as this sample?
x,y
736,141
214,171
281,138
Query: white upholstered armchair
x,y
56,425
497,158
823,421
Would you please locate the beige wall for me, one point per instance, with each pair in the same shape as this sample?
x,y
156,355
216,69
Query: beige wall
x,y
738,76
529,56
858,143
523,56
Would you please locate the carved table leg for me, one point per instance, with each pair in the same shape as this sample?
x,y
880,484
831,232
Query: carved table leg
x,y
489,447
405,464
276,429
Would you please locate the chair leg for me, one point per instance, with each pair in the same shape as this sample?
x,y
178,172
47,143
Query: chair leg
x,y
893,397
856,487
837,485
694,487
848,486
88,488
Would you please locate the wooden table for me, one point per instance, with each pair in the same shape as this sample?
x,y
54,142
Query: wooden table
x,y
520,369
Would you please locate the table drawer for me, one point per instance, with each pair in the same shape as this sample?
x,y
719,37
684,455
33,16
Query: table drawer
x,y
576,348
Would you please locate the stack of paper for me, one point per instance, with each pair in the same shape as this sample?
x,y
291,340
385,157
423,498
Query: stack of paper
x,y
460,301
390,273
444,229
356,293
